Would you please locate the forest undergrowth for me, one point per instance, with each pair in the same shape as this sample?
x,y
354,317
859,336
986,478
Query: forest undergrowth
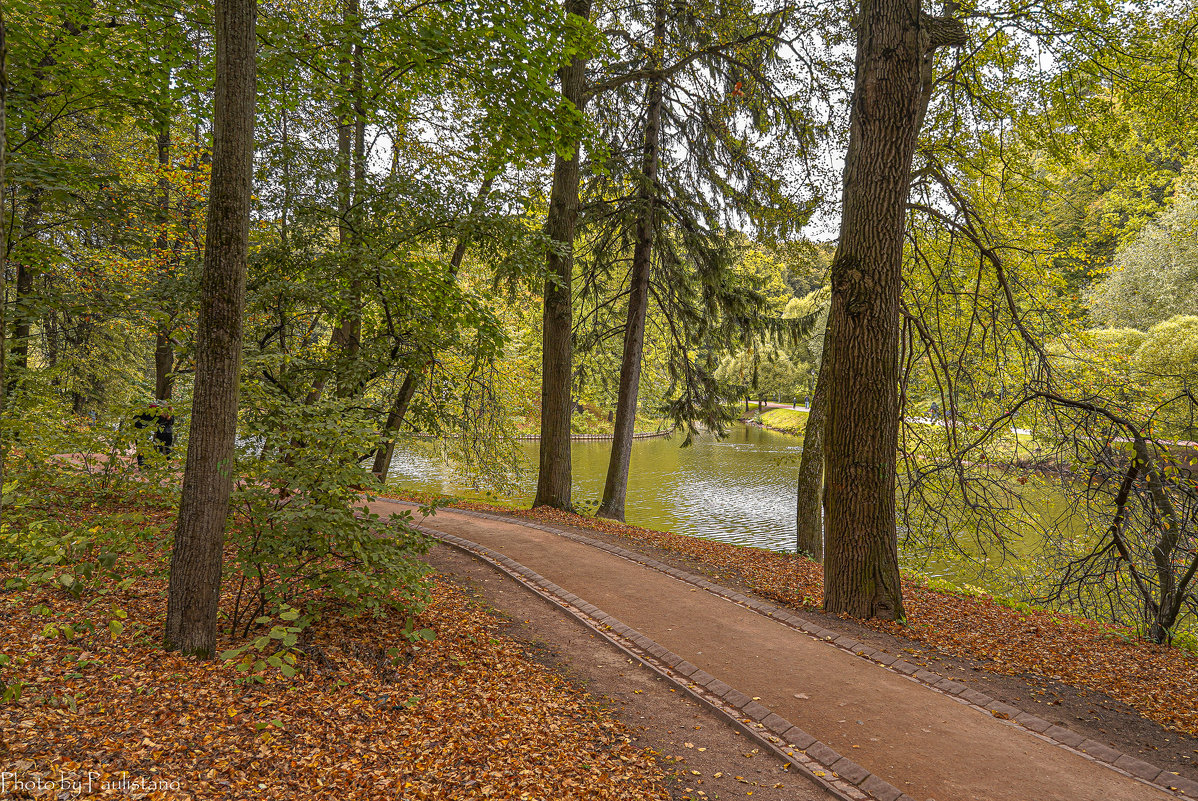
x,y
440,705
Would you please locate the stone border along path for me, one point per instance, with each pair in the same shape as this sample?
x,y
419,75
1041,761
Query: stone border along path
x,y
848,780
679,672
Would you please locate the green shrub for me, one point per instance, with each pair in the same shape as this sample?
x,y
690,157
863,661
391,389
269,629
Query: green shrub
x,y
76,558
48,442
300,533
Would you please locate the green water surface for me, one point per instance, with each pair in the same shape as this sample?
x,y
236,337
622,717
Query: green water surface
x,y
740,489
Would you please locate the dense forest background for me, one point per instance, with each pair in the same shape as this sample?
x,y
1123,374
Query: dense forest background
x,y
478,220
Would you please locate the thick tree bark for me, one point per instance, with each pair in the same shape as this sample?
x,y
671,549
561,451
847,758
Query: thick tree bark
x,y
895,43
861,575
615,486
208,479
3,238
557,356
809,529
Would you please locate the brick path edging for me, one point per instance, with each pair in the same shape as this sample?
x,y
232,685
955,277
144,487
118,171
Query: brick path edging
x,y
819,763
1057,735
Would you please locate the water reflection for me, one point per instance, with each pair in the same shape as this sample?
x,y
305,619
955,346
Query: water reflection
x,y
739,490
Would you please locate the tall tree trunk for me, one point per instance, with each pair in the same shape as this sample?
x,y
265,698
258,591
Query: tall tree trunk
x,y
557,355
53,336
407,390
285,146
345,340
861,575
22,314
164,348
356,212
354,215
809,529
164,364
3,240
195,575
615,486
399,407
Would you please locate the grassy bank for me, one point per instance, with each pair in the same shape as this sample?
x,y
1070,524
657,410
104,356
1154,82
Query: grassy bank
x,y
788,421
374,709
591,420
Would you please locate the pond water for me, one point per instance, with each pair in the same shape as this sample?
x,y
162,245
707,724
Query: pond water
x,y
740,489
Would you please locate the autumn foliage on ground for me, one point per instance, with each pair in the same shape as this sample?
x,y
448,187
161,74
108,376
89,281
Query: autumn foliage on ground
x,y
1160,683
370,713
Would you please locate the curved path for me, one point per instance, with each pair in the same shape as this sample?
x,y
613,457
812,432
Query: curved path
x,y
873,725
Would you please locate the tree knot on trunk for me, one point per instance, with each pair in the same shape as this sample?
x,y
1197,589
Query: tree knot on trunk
x,y
857,307
942,32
